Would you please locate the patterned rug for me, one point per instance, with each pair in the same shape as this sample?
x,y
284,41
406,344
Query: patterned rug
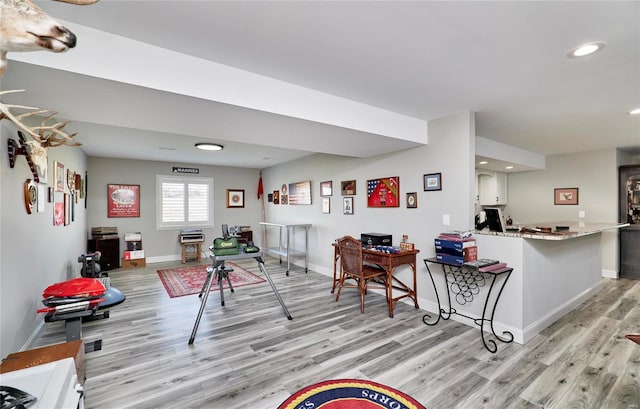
x,y
188,280
350,394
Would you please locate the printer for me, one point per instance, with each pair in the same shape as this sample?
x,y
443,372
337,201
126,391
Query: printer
x,y
377,239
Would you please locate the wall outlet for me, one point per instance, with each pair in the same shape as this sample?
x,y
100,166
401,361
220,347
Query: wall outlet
x,y
446,219
581,214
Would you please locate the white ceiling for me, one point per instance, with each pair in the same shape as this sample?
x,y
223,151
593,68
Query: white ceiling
x,y
423,60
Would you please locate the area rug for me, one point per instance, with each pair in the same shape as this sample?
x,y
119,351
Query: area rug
x,y
350,394
188,280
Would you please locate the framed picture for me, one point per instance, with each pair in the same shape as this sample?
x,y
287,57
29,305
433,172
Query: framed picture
x,y
276,197
235,197
326,205
50,194
348,187
383,192
432,181
270,197
123,200
284,199
326,188
67,204
58,213
58,176
565,196
300,193
347,205
412,200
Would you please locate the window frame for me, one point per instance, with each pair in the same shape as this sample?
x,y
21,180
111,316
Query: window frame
x,y
186,181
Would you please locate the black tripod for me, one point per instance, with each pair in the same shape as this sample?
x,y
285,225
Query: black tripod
x,y
219,272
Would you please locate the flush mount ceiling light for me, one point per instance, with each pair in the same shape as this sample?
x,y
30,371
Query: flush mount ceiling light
x,y
585,49
482,162
635,111
205,146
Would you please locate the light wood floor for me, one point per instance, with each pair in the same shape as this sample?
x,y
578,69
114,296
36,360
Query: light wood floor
x,y
248,355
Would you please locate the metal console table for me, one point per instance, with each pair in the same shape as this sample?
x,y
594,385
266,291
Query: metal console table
x,y
465,283
286,250
217,271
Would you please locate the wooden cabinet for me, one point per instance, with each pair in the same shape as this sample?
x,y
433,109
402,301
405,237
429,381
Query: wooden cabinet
x,y
109,249
491,188
245,236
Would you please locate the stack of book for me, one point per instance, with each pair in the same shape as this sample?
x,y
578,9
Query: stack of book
x,y
456,247
485,265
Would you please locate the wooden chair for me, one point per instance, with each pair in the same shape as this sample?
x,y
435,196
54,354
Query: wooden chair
x,y
352,267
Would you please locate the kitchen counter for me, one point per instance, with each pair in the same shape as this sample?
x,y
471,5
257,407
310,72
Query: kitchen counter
x,y
576,229
552,274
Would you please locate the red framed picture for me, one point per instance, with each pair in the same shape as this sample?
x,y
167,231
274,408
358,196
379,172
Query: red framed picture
x,y
123,200
383,192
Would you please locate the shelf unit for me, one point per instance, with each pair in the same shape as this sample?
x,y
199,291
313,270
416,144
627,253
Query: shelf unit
x,y
286,234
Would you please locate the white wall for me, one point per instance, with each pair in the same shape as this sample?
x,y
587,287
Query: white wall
x,y
450,151
162,245
33,252
594,173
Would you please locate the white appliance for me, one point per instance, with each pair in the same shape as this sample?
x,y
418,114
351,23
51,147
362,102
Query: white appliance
x,y
55,385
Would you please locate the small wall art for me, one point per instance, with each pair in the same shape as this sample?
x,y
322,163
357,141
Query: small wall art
x,y
235,198
276,197
565,196
432,181
383,192
347,205
326,188
326,205
412,200
58,176
348,187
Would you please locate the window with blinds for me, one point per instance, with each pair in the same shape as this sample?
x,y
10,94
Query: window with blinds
x,y
184,202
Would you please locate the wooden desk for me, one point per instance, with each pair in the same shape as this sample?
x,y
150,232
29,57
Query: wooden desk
x,y
388,262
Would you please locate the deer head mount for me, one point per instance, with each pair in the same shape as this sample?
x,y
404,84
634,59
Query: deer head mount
x,y
26,27
49,133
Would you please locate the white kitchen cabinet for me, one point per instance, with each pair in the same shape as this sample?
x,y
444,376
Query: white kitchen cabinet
x,y
492,188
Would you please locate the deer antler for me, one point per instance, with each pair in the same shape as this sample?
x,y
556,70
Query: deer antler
x,y
47,135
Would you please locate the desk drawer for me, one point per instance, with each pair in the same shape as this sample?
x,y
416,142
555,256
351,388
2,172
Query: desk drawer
x,y
374,258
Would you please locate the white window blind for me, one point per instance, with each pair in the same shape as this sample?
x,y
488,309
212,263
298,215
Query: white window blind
x,y
184,202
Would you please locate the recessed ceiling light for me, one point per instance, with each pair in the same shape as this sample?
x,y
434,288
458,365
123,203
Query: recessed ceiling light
x,y
586,49
205,146
635,111
508,167
482,162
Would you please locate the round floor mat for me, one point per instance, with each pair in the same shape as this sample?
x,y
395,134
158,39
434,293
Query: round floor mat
x,y
349,394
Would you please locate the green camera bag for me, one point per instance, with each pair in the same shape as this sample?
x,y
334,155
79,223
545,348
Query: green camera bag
x,y
225,247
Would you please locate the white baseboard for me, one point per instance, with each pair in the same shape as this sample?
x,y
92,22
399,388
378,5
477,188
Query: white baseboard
x,y
536,327
32,337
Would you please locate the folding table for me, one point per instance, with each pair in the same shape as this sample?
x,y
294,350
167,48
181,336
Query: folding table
x,y
218,270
